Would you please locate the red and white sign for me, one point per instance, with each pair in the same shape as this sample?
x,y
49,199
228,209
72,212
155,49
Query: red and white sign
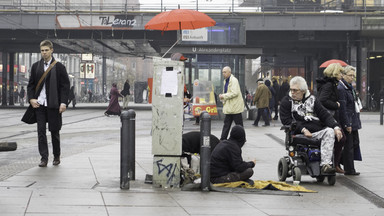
x,y
197,109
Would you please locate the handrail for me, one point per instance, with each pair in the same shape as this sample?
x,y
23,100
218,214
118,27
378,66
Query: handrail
x,y
155,8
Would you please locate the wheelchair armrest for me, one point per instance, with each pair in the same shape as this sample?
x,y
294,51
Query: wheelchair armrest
x,y
285,127
301,139
288,128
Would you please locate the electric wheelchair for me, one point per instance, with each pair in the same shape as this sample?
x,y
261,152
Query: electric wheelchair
x,y
303,158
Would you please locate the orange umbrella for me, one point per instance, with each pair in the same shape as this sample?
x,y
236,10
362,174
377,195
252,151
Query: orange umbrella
x,y
179,19
325,64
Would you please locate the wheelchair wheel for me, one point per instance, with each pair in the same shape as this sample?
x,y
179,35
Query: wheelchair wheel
x,y
331,180
296,174
282,169
320,178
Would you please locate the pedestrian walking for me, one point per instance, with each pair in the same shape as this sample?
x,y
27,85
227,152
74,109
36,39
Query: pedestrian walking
x,y
90,93
233,103
72,97
349,120
22,95
276,87
261,99
114,106
271,100
284,88
126,94
49,97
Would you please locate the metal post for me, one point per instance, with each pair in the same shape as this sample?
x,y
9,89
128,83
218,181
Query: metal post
x,y
5,79
127,148
381,111
11,78
205,150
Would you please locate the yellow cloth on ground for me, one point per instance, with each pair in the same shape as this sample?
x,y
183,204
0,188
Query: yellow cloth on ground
x,y
258,184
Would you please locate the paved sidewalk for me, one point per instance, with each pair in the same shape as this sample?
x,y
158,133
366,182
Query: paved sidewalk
x,y
88,183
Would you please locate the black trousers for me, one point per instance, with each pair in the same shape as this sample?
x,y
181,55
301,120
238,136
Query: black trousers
x,y
264,112
348,151
233,177
42,117
276,108
229,118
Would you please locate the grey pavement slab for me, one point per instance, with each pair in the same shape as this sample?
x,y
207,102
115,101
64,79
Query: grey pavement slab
x,y
87,181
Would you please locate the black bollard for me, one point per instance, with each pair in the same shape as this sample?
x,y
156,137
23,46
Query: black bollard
x,y
127,148
8,146
381,111
205,150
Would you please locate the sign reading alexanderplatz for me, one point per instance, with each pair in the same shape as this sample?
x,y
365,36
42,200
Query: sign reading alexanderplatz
x,y
218,50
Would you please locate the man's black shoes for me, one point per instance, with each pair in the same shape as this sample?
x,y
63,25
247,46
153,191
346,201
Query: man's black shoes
x,y
56,161
43,163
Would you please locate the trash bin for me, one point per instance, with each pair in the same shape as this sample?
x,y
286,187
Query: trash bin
x,y
252,113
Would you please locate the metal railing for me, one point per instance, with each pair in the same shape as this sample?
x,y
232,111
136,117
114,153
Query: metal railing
x,y
62,6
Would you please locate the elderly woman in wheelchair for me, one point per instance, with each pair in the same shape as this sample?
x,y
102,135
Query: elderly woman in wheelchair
x,y
310,135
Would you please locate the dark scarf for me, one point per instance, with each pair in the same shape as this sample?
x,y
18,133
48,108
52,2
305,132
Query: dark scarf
x,y
226,84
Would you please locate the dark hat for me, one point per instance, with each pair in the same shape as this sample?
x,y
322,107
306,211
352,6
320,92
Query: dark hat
x,y
260,80
238,134
267,82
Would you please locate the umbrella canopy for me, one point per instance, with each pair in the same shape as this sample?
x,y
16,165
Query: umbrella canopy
x,y
180,19
325,64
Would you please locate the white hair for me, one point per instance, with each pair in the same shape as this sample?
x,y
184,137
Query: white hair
x,y
300,81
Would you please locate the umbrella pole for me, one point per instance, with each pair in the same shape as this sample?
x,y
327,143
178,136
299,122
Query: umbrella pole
x,y
171,48
174,43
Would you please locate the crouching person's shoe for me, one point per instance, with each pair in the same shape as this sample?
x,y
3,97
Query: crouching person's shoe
x,y
327,169
43,163
56,161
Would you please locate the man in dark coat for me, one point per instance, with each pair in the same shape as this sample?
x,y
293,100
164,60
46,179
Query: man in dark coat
x,y
126,93
284,89
22,95
276,87
49,100
227,164
310,117
191,144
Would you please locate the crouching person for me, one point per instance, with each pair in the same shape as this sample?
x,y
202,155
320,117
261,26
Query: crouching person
x,y
312,119
227,165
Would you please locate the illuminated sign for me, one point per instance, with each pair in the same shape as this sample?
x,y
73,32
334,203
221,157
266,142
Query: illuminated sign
x,y
197,109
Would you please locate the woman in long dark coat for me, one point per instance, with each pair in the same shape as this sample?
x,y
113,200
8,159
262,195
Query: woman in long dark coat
x,y
349,120
328,95
114,106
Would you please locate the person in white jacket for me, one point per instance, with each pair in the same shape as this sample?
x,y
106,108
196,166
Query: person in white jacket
x,y
233,104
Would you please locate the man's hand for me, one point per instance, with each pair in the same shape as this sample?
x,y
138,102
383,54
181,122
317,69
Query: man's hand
x,y
221,96
338,134
34,103
62,108
254,161
349,129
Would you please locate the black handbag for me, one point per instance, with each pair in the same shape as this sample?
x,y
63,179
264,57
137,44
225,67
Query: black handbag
x,y
29,116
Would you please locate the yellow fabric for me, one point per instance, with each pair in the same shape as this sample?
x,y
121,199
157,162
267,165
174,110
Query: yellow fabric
x,y
258,184
233,102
